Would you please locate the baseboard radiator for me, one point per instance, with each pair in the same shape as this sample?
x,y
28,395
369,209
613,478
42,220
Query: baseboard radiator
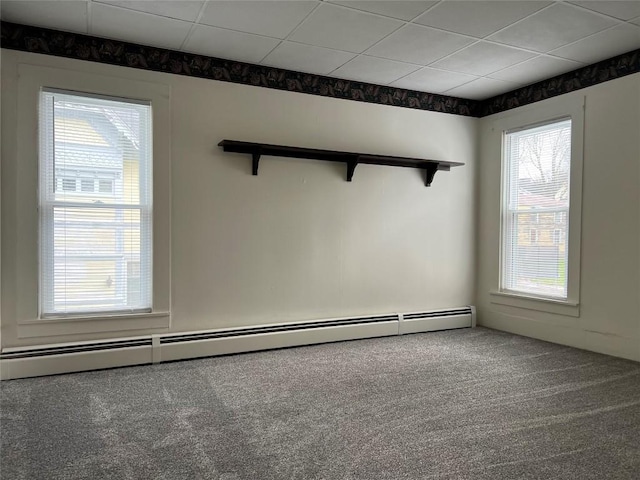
x,y
25,362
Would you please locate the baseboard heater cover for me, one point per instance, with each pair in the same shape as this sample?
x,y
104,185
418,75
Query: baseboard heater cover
x,y
436,320
50,350
24,362
173,338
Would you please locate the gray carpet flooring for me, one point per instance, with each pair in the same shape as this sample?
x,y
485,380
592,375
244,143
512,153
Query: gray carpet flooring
x,y
460,404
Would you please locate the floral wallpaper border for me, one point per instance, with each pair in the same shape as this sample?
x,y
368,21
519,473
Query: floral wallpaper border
x,y
94,49
610,69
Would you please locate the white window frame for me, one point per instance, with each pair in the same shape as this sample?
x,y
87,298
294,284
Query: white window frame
x,y
33,79
47,203
509,211
568,106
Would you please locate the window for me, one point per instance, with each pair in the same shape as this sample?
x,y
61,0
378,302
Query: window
x,y
105,186
537,170
533,236
95,203
84,182
68,184
557,236
87,185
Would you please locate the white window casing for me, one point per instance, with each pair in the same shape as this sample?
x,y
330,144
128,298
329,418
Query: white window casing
x,y
540,208
34,313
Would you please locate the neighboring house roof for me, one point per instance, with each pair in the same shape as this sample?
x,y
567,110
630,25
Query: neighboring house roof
x,y
91,137
528,199
78,131
128,125
81,157
121,121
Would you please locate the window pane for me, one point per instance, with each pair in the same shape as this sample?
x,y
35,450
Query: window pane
x,y
96,223
106,186
536,210
539,257
87,185
68,184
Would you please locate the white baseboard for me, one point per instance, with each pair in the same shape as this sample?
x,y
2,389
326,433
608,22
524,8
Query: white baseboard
x,y
79,356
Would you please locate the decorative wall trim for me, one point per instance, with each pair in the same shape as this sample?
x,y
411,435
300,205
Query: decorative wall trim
x,y
610,69
94,49
82,47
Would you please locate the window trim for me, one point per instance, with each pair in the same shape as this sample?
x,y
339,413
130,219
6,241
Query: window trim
x,y
27,319
569,106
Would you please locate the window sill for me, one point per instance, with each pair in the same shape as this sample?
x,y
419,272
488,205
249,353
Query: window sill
x,y
78,325
558,307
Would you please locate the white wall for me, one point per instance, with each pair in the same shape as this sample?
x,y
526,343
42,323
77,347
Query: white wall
x,y
609,310
296,242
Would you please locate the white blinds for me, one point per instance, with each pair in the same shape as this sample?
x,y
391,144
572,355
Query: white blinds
x,y
536,210
95,201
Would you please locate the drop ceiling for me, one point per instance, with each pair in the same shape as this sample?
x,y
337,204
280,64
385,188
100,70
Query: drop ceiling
x,y
470,49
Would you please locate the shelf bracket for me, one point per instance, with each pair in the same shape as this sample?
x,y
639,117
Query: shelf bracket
x,y
351,167
429,171
256,161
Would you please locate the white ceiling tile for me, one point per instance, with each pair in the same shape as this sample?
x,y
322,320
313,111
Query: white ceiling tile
x,y
482,88
476,18
603,45
404,10
270,18
553,27
536,69
70,16
574,33
181,9
416,44
373,70
221,43
343,29
137,27
307,58
625,10
483,58
432,80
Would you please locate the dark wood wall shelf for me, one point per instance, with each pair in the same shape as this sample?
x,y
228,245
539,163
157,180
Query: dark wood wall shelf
x,y
257,150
